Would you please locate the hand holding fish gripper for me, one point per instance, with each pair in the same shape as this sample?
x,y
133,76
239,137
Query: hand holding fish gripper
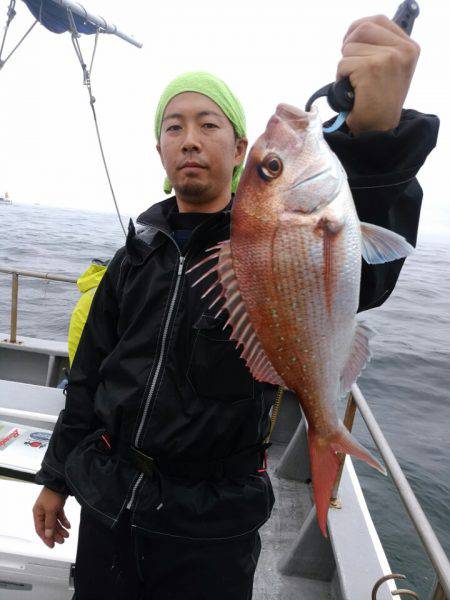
x,y
340,94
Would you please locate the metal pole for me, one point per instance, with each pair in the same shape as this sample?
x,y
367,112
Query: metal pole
x,y
15,292
438,592
96,20
14,295
429,540
38,275
349,418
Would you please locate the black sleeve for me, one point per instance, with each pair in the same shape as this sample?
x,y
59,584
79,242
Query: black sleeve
x,y
381,167
97,340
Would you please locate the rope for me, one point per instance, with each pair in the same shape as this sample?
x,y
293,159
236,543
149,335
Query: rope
x,y
86,76
93,52
275,411
87,82
11,14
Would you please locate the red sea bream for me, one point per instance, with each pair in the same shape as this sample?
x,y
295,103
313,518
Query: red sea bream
x,y
290,276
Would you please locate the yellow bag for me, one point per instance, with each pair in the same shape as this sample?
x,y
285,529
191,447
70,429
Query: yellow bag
x,y
87,284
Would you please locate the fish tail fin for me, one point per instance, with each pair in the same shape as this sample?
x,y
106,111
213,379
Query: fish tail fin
x,y
325,465
324,469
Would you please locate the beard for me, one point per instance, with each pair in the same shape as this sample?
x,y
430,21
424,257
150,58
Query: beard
x,y
194,192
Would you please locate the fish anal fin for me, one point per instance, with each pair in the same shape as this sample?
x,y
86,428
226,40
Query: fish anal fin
x,y
358,357
380,245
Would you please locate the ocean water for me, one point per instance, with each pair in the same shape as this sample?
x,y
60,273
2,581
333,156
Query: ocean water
x,y
407,382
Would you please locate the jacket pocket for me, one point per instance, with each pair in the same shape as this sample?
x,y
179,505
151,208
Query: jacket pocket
x,y
215,369
97,475
99,439
208,509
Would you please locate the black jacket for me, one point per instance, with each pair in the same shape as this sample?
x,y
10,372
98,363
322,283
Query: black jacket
x,y
154,369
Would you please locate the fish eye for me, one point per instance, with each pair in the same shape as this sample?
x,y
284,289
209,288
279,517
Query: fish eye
x,y
270,167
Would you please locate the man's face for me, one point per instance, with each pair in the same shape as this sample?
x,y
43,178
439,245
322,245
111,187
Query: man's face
x,y
195,131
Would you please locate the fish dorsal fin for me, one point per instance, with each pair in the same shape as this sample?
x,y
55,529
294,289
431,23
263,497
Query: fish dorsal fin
x,y
242,330
380,245
358,358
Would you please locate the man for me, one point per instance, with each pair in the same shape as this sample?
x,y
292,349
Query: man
x,y
155,372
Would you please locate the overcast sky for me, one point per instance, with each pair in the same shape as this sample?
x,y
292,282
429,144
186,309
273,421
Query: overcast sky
x,y
268,52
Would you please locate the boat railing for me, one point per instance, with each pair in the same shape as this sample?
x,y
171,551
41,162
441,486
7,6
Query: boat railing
x,y
288,467
355,401
15,273
430,542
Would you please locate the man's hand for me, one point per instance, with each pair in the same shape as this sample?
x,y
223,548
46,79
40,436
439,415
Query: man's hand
x,y
49,517
379,58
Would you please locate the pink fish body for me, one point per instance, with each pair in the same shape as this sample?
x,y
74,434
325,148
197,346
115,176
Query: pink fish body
x,y
290,278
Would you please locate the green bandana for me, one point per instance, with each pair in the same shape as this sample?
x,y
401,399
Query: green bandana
x,y
219,92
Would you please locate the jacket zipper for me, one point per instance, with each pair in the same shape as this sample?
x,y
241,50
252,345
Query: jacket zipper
x,y
158,369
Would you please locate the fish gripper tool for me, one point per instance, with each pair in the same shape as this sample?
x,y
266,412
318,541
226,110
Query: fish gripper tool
x,y
340,94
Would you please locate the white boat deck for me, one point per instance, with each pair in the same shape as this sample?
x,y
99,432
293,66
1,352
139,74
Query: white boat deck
x,y
292,505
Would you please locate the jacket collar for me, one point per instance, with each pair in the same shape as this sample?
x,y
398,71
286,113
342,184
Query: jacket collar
x,y
158,215
153,228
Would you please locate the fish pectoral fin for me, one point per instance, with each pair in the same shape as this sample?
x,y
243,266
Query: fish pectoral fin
x,y
358,358
380,245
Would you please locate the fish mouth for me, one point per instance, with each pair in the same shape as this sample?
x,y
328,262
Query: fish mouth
x,y
296,117
293,118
